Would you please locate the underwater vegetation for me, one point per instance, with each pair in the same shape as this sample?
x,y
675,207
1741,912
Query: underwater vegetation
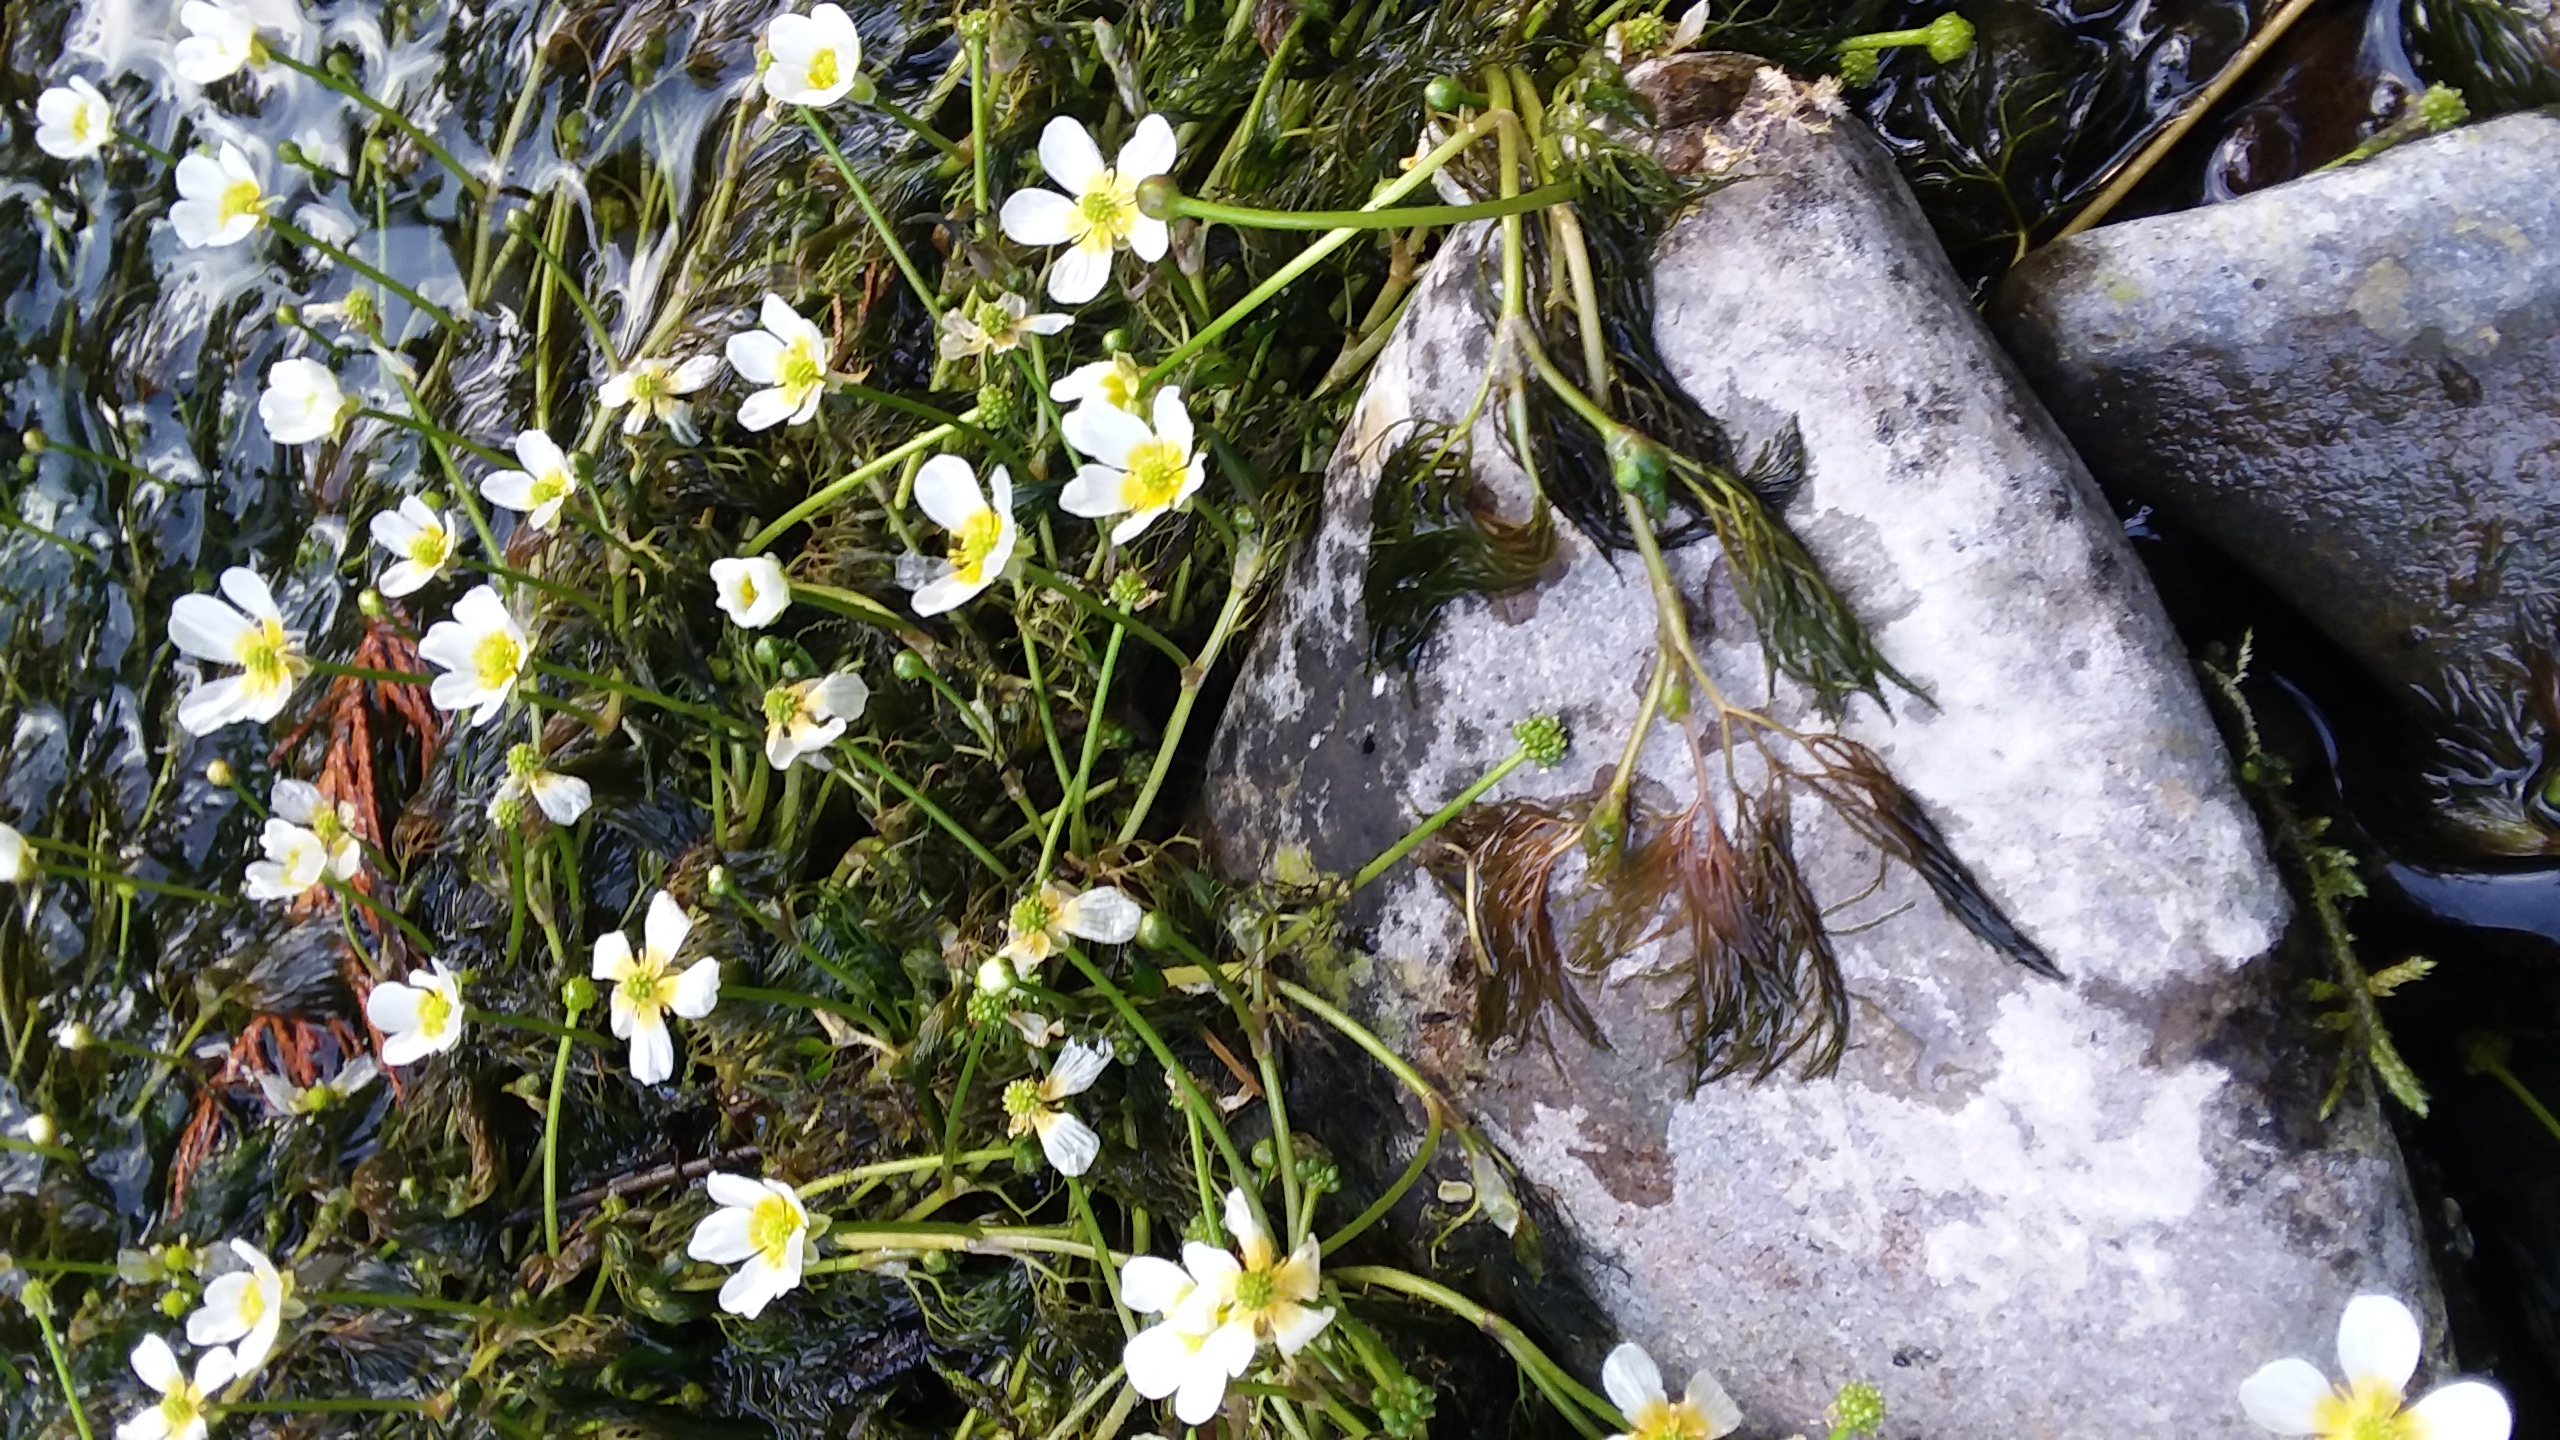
x,y
593,844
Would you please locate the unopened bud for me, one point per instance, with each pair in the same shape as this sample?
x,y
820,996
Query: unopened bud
x,y
219,772
370,604
40,1129
1156,932
33,439
578,996
37,1296
1948,37
1159,198
74,1036
2442,107
910,666
1640,467
995,976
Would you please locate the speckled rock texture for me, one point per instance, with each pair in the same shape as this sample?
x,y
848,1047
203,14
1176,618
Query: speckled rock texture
x,y
2025,1208
2350,383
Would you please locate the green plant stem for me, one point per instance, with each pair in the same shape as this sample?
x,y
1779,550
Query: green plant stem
x,y
793,999
331,1405
136,882
981,104
1442,816
62,1369
1082,1203
397,1300
1396,218
1331,241
871,211
378,276
2497,1070
569,285
442,436
32,1147
916,125
551,1144
912,1165
1554,1379
25,527
827,494
1071,804
1413,1172
552,1028
624,688
936,813
853,605
959,1101
349,894
406,126
1200,1105
1100,609
1068,1422
1249,559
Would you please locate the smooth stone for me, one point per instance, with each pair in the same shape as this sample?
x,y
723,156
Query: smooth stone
x,y
2349,383
2022,1207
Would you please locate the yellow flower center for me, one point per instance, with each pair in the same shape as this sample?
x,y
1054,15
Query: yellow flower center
x,y
179,1408
1021,1103
773,1227
239,198
822,69
645,985
84,123
429,547
266,653
550,485
253,1303
800,371
1667,1420
781,705
1254,1290
1156,471
1031,914
973,542
435,1013
495,659
2369,1411
646,383
1108,211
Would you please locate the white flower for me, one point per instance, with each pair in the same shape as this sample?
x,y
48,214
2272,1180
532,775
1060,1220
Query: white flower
x,y
1643,35
2378,1344
246,1306
482,650
655,390
802,720
1041,923
538,490
184,1401
420,1018
1112,382
789,357
1188,1355
1634,1384
252,637
762,1224
74,121
982,531
1267,1294
813,57
992,327
1136,471
306,839
219,41
1099,213
287,1098
1033,1107
17,857
219,198
302,402
753,589
646,986
563,798
421,538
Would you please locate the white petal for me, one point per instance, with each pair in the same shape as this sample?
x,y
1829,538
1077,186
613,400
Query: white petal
x,y
1631,1378
1079,1065
2378,1342
393,1007
1149,239
215,1369
295,801
755,355
538,453
206,628
2463,1410
785,323
1093,493
1049,324
1105,433
653,1051
841,696
765,409
2283,1397
1248,1231
947,489
737,1191
156,1363
1038,217
1201,1393
508,489
1307,1322
1149,151
1151,1285
1103,914
752,1288
950,592
1706,1395
664,931
217,1321
1069,1143
693,374
1158,1359
1173,418
146,1424
697,990
1079,275
723,1237
1068,153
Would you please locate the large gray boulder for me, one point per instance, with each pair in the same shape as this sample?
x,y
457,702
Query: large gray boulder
x,y
2023,1207
2349,383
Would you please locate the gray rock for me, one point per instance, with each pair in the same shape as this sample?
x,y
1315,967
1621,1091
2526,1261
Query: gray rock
x,y
2022,1207
2350,383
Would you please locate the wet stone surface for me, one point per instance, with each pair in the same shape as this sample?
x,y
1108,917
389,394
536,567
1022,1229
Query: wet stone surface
x,y
2350,383
2022,1207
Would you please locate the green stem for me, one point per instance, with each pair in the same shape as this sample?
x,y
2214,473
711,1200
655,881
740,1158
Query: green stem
x,y
1559,1385
442,436
569,285
1100,609
136,882
871,211
332,1405
397,1300
552,1028
2496,1070
1240,583
936,813
912,1165
851,604
834,489
1438,818
959,1099
793,999
629,691
1386,1202
357,93
1247,218
348,258
980,107
348,893
1071,804
551,1142
61,1366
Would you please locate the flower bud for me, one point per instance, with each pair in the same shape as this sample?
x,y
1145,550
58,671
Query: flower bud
x,y
218,771
74,1036
1948,37
370,604
175,1304
2442,107
507,812
995,976
1859,1410
288,314
40,1129
1159,198
1446,93
578,996
997,407
37,1296
289,153
910,666
33,439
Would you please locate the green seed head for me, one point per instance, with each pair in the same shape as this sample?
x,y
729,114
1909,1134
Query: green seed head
x,y
1544,737
523,761
1859,1410
2442,107
1948,37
